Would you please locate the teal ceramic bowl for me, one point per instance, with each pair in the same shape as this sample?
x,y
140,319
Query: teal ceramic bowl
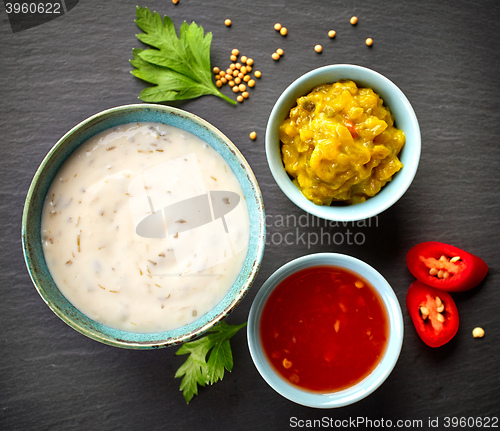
x,y
405,119
359,390
31,222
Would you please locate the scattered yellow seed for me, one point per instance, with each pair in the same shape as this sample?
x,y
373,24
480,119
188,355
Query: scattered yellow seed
x,y
244,58
354,20
231,83
216,69
318,48
275,56
218,83
277,26
232,66
233,58
369,41
332,33
478,332
246,78
243,70
217,77
236,72
245,94
237,80
223,80
251,83
235,52
280,52
283,31
228,22
249,68
236,89
253,136
240,98
242,87
249,62
222,73
258,73
175,1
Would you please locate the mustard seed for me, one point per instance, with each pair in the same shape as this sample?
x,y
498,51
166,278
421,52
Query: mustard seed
x,y
240,98
283,31
216,69
277,26
236,89
318,48
235,52
280,52
244,59
249,61
228,22
233,58
253,136
332,33
237,80
275,56
258,73
354,20
246,78
478,332
242,87
245,94
251,83
369,41
218,83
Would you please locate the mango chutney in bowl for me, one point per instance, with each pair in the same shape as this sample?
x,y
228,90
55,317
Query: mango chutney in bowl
x,y
339,144
343,142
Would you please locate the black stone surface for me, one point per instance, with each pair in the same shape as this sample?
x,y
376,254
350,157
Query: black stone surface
x,y
444,57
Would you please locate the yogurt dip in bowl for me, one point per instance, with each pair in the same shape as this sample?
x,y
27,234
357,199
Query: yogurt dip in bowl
x,y
143,227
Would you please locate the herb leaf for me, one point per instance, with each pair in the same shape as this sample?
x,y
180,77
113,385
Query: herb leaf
x,y
179,66
197,370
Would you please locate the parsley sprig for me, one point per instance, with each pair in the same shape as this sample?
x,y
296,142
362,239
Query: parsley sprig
x,y
197,370
178,66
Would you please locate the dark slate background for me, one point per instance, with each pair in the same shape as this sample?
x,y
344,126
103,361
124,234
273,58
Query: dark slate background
x,y
442,54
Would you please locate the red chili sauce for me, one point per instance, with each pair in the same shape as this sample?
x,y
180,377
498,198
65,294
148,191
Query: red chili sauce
x,y
324,329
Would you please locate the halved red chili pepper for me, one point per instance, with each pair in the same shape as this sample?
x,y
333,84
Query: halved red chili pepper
x,y
433,312
445,267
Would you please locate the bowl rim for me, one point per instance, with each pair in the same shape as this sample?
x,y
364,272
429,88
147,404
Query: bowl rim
x,y
393,190
363,388
157,339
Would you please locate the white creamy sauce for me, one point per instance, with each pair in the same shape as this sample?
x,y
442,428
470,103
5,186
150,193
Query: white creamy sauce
x,y
145,228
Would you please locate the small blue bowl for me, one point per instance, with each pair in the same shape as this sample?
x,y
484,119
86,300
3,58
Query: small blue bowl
x,y
31,222
361,389
405,119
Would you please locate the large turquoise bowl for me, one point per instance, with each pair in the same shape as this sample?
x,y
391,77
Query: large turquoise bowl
x,y
31,224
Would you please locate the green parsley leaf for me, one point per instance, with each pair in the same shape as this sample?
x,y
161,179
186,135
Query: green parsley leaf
x,y
197,370
178,66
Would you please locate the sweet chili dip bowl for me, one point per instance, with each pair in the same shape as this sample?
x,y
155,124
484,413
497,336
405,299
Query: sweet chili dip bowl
x,y
284,301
